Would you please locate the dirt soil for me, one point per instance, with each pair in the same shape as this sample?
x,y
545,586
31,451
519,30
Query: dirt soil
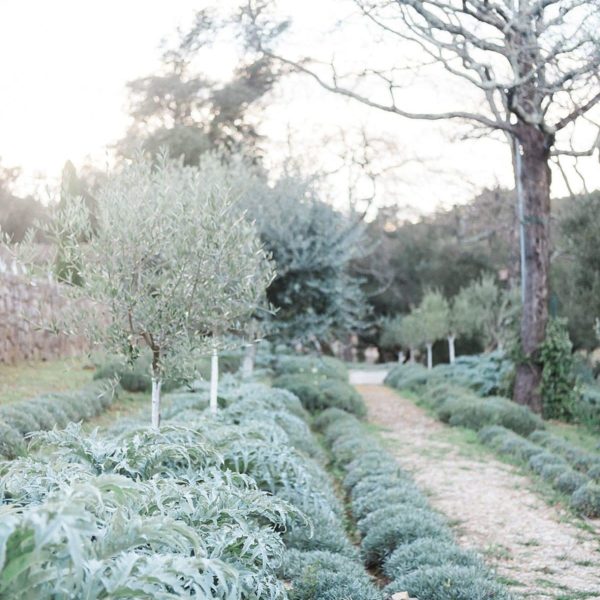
x,y
541,551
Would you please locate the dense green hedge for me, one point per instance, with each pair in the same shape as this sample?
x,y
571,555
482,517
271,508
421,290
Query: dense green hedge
x,y
43,413
485,374
567,468
319,393
326,576
457,404
325,366
400,534
492,374
475,413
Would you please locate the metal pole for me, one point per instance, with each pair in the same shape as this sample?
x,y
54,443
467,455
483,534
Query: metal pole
x,y
521,210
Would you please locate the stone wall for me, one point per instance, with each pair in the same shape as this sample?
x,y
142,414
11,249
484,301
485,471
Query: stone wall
x,y
23,306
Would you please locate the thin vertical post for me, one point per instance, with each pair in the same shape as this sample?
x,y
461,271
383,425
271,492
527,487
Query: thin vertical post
x,y
521,212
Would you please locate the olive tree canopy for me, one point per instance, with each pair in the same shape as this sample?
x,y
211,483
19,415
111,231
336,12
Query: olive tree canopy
x,y
171,264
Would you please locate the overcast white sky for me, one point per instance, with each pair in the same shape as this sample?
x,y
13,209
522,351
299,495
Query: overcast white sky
x,y
64,65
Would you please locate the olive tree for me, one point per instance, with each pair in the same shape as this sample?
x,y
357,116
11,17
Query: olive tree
x,y
434,316
484,309
391,335
411,334
314,294
171,264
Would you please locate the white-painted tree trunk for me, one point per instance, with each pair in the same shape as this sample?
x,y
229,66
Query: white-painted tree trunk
x,y
156,384
214,380
429,356
451,349
248,362
401,357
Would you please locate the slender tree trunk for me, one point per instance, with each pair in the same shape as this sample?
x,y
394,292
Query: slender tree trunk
x,y
412,356
401,357
156,385
214,380
248,362
451,349
429,356
535,183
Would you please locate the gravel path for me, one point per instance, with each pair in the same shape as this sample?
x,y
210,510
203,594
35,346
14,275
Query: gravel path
x,y
534,547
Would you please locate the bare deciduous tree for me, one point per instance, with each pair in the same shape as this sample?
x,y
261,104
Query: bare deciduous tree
x,y
534,65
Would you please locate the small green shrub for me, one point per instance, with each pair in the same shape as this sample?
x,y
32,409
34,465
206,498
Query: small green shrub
x,y
377,483
346,448
46,412
586,407
276,398
342,428
569,481
551,472
558,388
475,413
296,561
324,366
329,417
317,393
448,582
369,463
11,442
409,377
21,421
487,434
54,408
540,461
428,552
384,513
484,374
327,535
344,396
577,457
407,494
514,445
586,500
43,417
327,576
594,472
384,537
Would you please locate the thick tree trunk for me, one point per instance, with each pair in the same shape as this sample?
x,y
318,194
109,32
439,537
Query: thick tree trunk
x,y
411,358
535,185
156,385
214,381
429,356
401,357
451,349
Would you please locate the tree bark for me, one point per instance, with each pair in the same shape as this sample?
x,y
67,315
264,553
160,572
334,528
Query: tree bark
x,y
412,356
451,349
535,183
214,381
401,357
156,385
429,356
248,362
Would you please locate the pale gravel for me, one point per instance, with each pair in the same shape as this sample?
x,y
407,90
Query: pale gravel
x,y
490,505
